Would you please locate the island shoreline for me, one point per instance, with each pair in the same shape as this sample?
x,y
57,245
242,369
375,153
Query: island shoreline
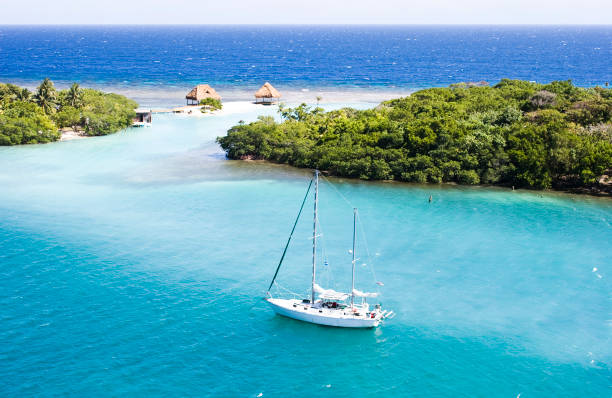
x,y
514,134
600,193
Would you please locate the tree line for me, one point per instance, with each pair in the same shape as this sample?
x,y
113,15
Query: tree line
x,y
515,133
35,117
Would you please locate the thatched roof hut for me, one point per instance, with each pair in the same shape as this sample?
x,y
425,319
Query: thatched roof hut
x,y
200,92
267,94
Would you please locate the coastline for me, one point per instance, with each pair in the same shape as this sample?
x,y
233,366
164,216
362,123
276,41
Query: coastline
x,y
173,95
68,134
231,107
408,140
240,102
582,192
243,107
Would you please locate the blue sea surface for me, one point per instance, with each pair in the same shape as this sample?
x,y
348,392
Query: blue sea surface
x,y
338,57
134,265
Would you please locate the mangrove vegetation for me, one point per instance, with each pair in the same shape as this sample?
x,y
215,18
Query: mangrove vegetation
x,y
516,133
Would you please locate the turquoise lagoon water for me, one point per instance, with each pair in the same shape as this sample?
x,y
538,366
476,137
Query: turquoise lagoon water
x,y
134,264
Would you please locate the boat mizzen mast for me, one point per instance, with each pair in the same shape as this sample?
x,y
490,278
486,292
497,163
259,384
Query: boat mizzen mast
x,y
354,238
314,236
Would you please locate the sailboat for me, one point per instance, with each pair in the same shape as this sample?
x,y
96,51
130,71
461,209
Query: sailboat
x,y
327,306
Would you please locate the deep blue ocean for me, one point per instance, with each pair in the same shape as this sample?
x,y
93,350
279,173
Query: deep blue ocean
x,y
396,58
134,264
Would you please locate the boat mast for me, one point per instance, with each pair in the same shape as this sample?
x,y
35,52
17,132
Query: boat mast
x,y
354,238
314,236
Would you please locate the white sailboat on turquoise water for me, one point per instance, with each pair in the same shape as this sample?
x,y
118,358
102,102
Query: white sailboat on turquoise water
x,y
327,306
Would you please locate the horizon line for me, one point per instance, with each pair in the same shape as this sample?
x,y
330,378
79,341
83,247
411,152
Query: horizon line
x,y
307,24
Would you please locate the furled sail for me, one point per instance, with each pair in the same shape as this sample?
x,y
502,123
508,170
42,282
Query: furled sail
x,y
359,293
329,294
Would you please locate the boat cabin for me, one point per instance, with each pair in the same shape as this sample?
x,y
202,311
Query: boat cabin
x,y
143,118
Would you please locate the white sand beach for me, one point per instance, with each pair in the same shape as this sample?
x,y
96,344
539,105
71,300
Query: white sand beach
x,y
70,134
228,109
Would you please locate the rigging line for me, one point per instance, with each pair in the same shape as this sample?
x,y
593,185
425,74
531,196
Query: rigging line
x,y
337,191
360,226
328,272
290,236
287,290
323,253
370,261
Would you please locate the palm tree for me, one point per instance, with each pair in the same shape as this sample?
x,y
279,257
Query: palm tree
x,y
319,98
23,95
14,93
74,96
282,110
46,96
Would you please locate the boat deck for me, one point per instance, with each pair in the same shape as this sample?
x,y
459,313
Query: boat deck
x,y
342,316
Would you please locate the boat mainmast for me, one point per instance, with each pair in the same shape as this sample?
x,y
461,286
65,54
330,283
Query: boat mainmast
x,y
354,238
314,236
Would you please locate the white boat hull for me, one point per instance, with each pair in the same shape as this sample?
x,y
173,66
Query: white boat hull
x,y
323,316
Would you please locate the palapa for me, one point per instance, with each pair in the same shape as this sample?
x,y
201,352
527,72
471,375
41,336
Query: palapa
x,y
267,93
200,92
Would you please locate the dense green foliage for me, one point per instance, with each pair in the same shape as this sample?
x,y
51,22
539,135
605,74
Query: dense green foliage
x,y
106,113
515,133
211,103
25,123
27,118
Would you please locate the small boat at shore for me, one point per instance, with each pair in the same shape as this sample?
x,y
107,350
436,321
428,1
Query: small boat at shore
x,y
327,306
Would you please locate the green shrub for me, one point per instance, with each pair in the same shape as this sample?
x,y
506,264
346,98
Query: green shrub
x,y
514,133
211,103
26,123
67,117
25,119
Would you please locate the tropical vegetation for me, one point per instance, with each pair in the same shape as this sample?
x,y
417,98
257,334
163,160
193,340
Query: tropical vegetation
x,y
210,103
30,118
515,133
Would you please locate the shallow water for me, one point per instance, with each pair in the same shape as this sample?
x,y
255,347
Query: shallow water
x,y
133,264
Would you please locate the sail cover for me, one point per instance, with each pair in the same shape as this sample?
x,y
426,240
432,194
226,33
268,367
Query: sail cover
x,y
359,293
330,294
